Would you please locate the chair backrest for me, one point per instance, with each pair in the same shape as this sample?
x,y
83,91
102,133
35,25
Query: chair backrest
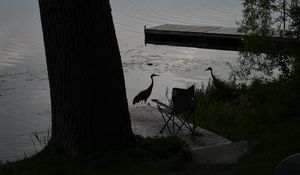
x,y
182,100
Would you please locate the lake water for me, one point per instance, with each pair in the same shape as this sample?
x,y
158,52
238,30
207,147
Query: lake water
x,y
24,87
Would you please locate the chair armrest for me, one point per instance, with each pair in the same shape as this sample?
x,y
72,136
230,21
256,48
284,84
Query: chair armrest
x,y
159,103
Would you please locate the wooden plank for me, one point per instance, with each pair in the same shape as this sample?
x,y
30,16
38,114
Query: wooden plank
x,y
147,122
211,37
214,37
227,31
183,28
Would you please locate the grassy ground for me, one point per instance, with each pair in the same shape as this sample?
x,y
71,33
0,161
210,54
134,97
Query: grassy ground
x,y
265,113
273,147
152,156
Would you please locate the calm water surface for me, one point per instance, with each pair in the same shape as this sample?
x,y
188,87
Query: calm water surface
x,y
24,87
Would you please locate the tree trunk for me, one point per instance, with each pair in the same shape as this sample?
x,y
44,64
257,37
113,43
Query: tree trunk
x,y
87,87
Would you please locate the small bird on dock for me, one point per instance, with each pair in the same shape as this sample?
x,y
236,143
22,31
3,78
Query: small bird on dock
x,y
221,86
144,95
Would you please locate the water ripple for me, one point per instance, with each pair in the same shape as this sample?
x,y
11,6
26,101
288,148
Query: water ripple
x,y
24,88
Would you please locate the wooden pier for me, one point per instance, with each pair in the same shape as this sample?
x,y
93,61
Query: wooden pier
x,y
206,147
147,122
212,37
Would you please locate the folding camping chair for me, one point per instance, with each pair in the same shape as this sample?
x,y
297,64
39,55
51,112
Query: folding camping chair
x,y
182,102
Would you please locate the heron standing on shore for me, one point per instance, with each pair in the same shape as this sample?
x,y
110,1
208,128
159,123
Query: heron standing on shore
x,y
144,95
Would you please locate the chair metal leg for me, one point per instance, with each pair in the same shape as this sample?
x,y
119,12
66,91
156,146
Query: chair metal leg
x,y
173,124
166,122
194,125
177,122
186,124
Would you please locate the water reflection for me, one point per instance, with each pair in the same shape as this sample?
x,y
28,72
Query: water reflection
x,y
24,89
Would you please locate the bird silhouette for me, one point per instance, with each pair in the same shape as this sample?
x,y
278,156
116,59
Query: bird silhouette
x,y
224,89
144,95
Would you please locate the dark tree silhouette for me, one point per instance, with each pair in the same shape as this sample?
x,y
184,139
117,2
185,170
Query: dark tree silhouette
x,y
87,87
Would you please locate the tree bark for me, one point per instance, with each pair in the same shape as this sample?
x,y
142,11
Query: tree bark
x,y
87,87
